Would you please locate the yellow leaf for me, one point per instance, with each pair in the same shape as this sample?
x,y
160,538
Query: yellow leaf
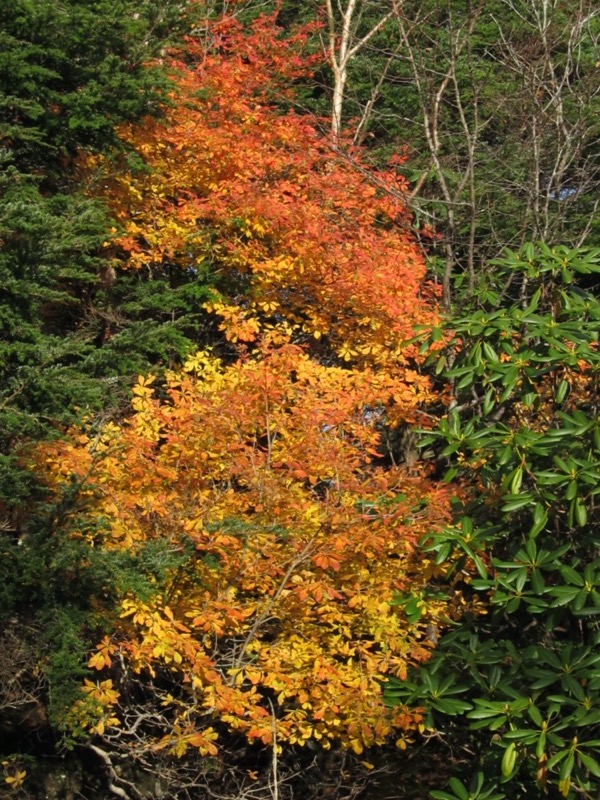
x,y
16,781
99,661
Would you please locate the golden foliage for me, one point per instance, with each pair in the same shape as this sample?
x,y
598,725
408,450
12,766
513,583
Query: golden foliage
x,y
266,470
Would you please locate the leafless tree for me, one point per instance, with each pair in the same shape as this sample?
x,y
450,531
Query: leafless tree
x,y
346,37
502,126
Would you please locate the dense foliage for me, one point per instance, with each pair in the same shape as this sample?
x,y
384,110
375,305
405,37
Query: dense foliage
x,y
70,73
521,684
243,581
226,567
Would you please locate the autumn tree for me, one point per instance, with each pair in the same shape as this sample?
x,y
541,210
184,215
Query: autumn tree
x,y
243,534
277,620
298,241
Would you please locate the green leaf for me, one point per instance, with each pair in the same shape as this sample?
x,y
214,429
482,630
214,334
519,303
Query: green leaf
x,y
490,352
567,767
488,402
459,789
537,581
580,512
514,503
516,481
535,715
540,747
557,757
588,762
452,707
561,391
571,490
509,759
570,575
466,526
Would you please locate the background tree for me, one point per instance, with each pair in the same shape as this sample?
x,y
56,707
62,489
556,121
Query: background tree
x,y
346,36
495,106
69,74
